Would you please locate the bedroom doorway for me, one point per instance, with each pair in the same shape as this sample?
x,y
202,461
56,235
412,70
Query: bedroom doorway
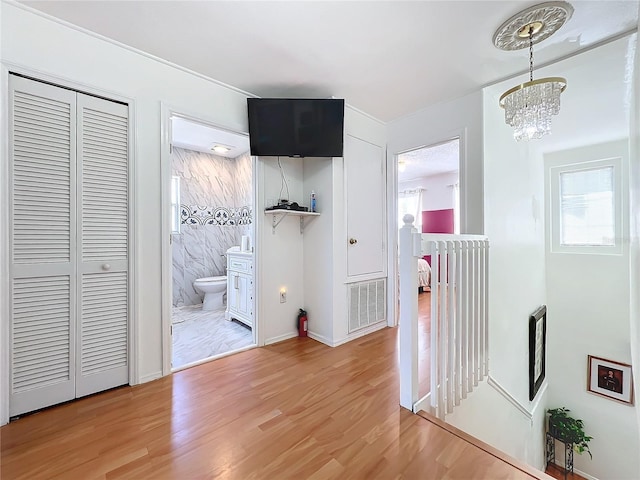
x,y
428,188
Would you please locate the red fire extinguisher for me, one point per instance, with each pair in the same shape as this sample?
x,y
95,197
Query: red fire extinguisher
x,y
302,323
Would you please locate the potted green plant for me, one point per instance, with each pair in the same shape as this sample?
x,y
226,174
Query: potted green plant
x,y
568,429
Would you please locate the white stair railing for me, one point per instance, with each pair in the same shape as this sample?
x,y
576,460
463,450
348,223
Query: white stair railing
x,y
459,317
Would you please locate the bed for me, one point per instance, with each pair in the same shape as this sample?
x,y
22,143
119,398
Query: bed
x,y
424,276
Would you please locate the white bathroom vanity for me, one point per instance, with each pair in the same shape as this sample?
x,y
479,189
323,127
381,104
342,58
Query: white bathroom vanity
x,y
239,286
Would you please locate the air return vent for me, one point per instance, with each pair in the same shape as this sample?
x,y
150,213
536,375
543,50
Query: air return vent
x,y
367,303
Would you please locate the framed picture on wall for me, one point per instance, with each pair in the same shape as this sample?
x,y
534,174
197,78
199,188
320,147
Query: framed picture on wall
x,y
537,349
610,379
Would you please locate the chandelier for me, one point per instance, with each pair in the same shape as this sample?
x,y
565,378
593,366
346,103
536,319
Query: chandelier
x,y
528,107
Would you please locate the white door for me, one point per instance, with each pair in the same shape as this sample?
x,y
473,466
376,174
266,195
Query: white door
x,y
61,343
366,212
102,258
42,243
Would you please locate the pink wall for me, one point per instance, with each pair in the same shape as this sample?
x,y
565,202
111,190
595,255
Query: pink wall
x,y
438,221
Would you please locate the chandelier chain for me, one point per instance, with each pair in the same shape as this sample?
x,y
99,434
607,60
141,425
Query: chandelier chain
x,y
531,53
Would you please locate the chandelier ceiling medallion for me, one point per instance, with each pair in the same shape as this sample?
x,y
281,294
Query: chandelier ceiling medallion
x,y
528,107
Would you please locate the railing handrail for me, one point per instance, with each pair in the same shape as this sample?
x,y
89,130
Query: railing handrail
x,y
448,237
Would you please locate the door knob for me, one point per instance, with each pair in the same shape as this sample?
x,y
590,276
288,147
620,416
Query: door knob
x,y
353,241
106,266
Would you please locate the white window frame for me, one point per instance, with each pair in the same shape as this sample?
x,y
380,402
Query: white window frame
x,y
416,194
618,207
175,206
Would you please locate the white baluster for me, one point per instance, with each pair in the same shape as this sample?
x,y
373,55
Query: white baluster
x,y
458,322
451,346
435,285
485,367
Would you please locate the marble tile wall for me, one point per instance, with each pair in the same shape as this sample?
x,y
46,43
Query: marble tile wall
x,y
211,187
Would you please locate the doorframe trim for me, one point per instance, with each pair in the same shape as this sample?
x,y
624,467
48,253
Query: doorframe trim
x,y
168,110
6,68
392,175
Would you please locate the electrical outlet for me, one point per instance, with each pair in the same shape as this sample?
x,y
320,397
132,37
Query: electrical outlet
x,y
283,297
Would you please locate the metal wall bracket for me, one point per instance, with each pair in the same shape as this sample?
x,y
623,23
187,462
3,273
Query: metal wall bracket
x,y
279,215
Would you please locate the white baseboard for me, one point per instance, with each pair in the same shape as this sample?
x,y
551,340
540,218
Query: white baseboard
x,y
576,471
150,377
585,475
423,404
514,401
320,338
328,341
280,338
361,333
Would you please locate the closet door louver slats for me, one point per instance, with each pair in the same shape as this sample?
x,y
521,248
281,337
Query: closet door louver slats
x,y
69,239
34,239
103,331
103,258
42,142
40,333
104,193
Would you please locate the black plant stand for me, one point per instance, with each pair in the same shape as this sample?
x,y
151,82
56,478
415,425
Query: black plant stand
x,y
550,451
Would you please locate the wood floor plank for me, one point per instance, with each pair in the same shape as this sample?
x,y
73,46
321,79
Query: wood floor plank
x,y
297,409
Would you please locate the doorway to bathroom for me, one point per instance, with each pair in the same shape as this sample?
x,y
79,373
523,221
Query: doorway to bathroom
x,y
211,242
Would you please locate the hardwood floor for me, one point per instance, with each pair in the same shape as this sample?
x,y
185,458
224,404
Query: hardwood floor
x,y
297,409
424,344
558,473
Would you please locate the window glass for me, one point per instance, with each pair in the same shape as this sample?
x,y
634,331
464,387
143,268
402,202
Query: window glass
x,y
410,201
587,207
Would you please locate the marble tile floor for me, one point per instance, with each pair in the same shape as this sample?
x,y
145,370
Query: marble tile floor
x,y
198,335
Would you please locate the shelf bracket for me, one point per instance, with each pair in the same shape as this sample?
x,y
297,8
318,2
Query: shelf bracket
x,y
276,222
280,215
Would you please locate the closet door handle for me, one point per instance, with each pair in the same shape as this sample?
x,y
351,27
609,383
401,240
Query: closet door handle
x,y
353,241
106,266
235,282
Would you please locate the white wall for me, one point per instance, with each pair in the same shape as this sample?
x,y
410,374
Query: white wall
x,y
588,295
461,117
501,425
634,216
513,186
318,249
438,194
520,265
84,61
281,252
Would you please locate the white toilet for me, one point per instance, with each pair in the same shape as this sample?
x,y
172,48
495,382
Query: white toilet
x,y
213,289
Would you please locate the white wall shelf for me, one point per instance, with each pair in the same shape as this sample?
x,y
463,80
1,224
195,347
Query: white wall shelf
x,y
279,215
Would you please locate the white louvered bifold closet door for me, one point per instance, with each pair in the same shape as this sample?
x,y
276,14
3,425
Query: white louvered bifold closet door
x,y
42,143
69,244
103,262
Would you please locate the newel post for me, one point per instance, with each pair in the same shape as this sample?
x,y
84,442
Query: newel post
x,y
408,268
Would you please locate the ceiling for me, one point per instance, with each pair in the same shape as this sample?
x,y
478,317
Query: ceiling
x,y
428,161
202,138
386,58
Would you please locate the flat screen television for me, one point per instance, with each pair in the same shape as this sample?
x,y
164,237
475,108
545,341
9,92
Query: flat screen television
x,y
296,127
